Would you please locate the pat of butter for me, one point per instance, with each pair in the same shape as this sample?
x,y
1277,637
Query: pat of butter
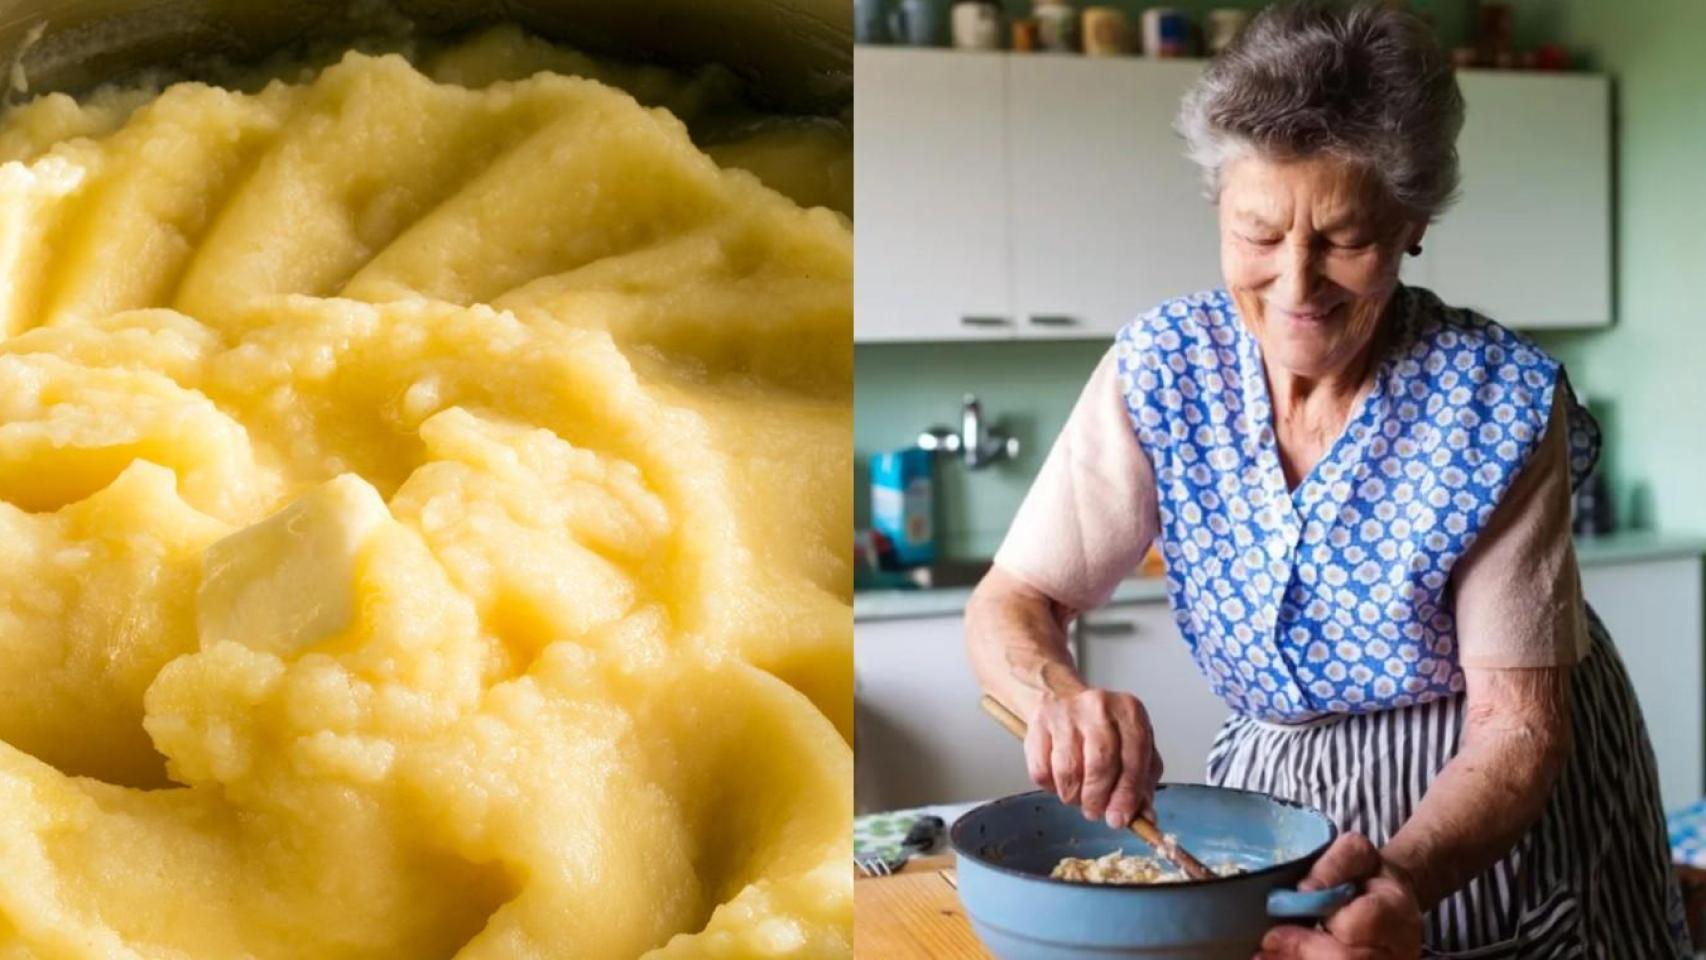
x,y
290,581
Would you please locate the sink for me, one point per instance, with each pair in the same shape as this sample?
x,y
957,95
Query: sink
x,y
948,574
941,575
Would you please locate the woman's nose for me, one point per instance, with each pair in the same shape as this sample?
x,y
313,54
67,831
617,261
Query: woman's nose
x,y
1299,273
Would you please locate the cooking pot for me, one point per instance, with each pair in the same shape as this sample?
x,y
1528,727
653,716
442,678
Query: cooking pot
x,y
1006,849
795,56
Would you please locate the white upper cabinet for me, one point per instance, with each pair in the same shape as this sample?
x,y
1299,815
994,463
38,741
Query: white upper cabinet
x,y
1037,195
930,195
1529,243
1108,213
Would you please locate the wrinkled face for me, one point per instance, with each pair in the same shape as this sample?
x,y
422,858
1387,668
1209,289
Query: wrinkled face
x,y
1310,251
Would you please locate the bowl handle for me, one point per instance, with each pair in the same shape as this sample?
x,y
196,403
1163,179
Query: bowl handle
x,y
1309,904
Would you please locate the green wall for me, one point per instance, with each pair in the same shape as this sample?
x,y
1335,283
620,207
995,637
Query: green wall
x,y
1650,367
1646,375
1025,389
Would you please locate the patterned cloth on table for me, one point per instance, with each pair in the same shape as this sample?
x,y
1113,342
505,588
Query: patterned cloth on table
x,y
1688,834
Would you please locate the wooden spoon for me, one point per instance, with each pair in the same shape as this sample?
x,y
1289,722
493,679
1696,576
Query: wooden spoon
x,y
1144,827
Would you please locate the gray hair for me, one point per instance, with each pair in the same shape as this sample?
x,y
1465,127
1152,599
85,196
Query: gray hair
x,y
1366,83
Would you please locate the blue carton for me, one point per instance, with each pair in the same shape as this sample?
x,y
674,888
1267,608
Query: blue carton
x,y
902,504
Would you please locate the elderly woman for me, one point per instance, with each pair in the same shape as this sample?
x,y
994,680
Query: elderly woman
x,y
1362,496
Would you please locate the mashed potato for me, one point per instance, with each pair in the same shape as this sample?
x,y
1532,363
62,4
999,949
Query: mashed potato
x,y
423,510
1119,867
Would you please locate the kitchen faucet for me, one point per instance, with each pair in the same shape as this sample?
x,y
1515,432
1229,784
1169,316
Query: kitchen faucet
x,y
975,444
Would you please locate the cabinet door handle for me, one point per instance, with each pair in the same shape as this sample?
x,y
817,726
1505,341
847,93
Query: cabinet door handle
x,y
1110,628
1053,320
984,320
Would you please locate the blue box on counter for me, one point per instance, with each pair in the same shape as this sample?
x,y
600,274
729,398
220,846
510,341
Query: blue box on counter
x,y
902,503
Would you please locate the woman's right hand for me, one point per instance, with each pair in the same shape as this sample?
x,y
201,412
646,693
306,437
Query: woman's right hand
x,y
1095,748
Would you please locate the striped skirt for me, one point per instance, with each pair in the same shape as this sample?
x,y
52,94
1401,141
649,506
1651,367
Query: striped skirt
x,y
1592,878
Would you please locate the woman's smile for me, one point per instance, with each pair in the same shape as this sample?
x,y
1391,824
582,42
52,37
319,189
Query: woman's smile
x,y
1305,318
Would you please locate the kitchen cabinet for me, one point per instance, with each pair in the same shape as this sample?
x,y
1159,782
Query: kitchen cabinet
x,y
1529,243
1109,216
1653,609
930,177
920,737
1003,196
1137,648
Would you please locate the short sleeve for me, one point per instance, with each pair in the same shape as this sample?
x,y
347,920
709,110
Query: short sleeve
x,y
1091,512
1518,590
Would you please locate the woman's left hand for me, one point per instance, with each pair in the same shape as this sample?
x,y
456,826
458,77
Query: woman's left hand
x,y
1383,923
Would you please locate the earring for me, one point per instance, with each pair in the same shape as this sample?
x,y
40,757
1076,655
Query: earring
x,y
1416,250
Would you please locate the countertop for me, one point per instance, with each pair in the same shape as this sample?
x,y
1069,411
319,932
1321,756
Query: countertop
x,y
1625,547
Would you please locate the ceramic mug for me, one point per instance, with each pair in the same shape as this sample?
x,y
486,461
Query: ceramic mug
x,y
920,23
1057,26
1106,32
977,25
1223,26
870,22
1166,33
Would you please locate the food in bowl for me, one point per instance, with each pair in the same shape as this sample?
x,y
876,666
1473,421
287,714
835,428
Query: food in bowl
x,y
1119,867
423,498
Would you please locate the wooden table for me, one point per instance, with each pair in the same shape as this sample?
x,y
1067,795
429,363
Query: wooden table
x,y
913,915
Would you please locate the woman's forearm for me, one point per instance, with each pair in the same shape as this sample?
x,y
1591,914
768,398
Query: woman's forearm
x,y
1016,639
1515,743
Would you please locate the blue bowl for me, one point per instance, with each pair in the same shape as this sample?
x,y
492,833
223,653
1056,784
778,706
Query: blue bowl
x,y
1006,849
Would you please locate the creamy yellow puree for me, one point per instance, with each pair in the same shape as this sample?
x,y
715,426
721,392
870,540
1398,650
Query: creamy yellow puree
x,y
423,510
1119,867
